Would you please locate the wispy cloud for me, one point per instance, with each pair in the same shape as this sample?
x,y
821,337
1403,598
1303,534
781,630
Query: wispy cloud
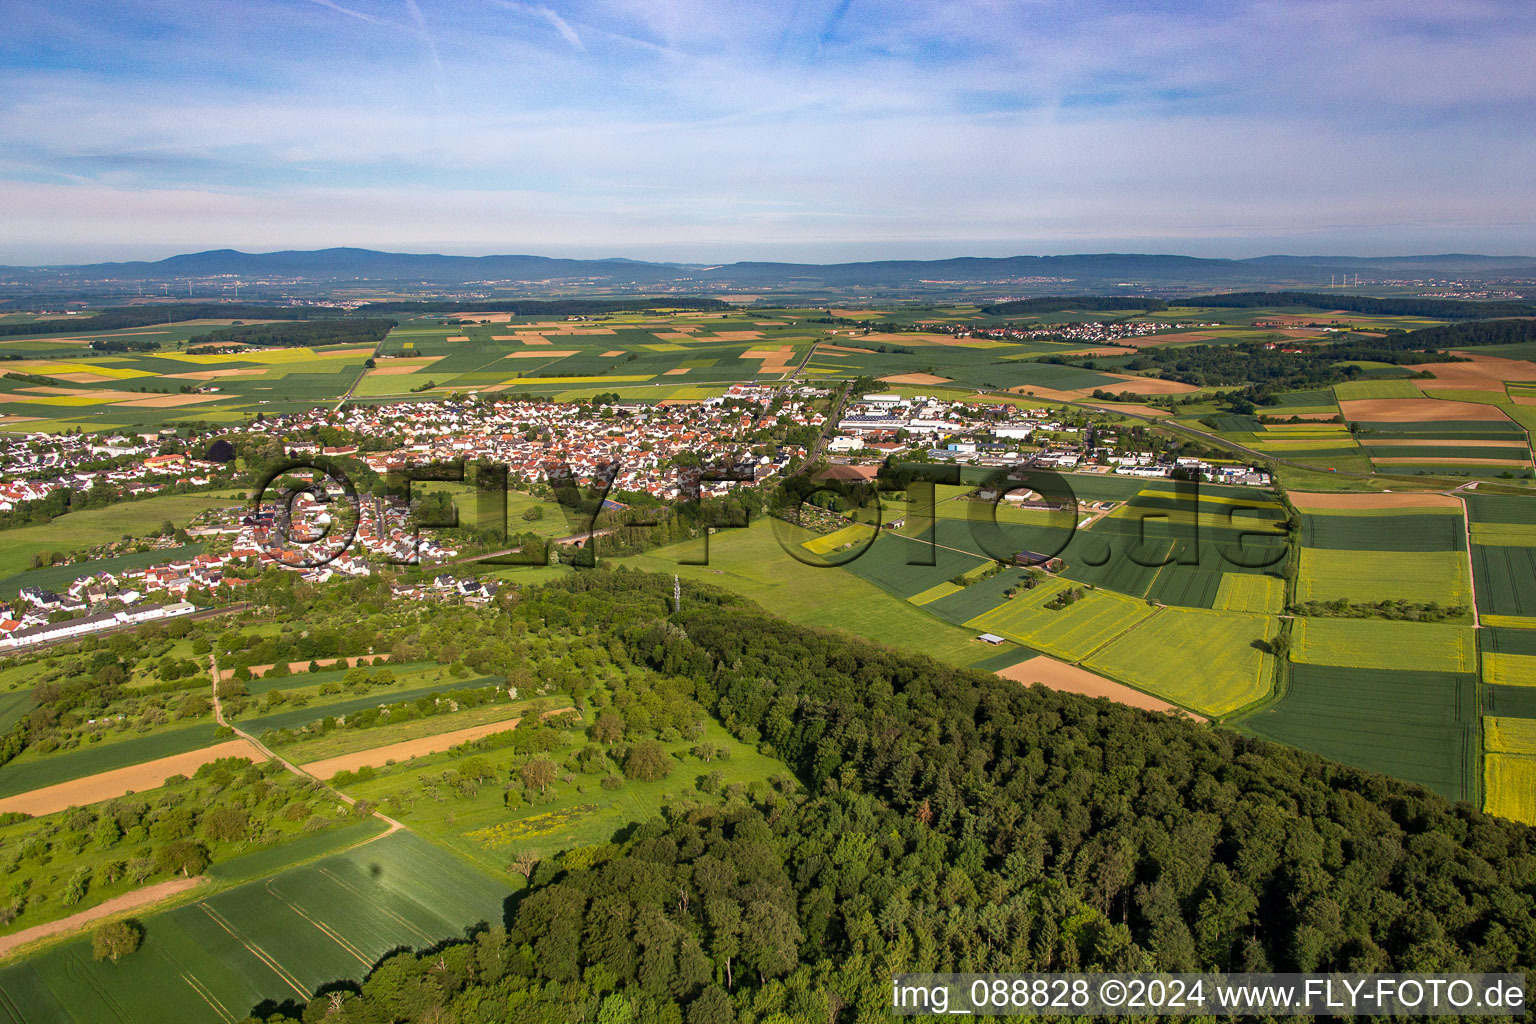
x,y
349,12
968,124
426,37
563,27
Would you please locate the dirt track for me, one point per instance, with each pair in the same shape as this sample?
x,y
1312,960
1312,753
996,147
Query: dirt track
x,y
1304,500
1446,460
135,778
116,905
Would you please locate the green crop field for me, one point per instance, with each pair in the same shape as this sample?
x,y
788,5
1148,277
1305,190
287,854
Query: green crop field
x,y
1363,530
752,563
58,577
1433,452
1378,643
1357,389
1070,633
1364,576
1506,579
266,941
1209,662
1504,535
1172,555
90,527
1509,787
1501,508
34,771
1449,431
1249,592
346,705
1419,726
13,708
1508,641
1509,701
885,564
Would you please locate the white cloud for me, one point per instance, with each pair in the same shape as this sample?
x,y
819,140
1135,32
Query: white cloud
x,y
970,123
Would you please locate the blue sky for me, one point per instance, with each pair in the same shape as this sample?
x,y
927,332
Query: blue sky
x,y
807,129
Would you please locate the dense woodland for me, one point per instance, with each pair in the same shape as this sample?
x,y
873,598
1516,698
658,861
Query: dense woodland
x,y
64,862
304,334
117,318
950,820
1267,371
1397,305
548,307
1058,303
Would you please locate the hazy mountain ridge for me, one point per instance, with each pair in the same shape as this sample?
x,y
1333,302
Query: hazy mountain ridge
x,y
433,273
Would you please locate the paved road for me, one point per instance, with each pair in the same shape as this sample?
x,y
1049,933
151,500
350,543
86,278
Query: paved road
x,y
792,374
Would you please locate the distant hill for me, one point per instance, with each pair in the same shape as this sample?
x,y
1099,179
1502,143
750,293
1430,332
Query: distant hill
x,y
1087,272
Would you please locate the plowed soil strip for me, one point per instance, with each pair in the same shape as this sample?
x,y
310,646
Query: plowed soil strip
x,y
1305,501
134,779
116,905
1058,675
377,757
1415,410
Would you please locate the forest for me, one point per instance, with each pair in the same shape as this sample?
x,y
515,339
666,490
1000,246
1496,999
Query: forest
x,y
548,307
949,820
1057,303
117,318
1267,371
304,334
1399,305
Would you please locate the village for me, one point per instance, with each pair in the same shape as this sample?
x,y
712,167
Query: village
x,y
922,428
322,531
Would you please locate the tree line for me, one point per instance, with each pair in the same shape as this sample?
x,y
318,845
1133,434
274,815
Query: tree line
x,y
948,820
548,307
1396,305
302,334
114,318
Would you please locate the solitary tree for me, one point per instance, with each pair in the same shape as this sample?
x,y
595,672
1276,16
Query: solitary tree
x,y
648,761
538,773
115,939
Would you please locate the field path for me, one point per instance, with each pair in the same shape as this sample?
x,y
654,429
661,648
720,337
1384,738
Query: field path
x,y
120,781
218,714
1466,524
116,905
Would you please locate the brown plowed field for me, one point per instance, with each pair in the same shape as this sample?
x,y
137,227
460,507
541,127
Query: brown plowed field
x,y
1415,410
135,778
1324,502
1058,675
116,905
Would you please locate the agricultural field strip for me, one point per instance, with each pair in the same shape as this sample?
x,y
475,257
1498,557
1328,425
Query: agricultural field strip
x,y
1376,643
1503,735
